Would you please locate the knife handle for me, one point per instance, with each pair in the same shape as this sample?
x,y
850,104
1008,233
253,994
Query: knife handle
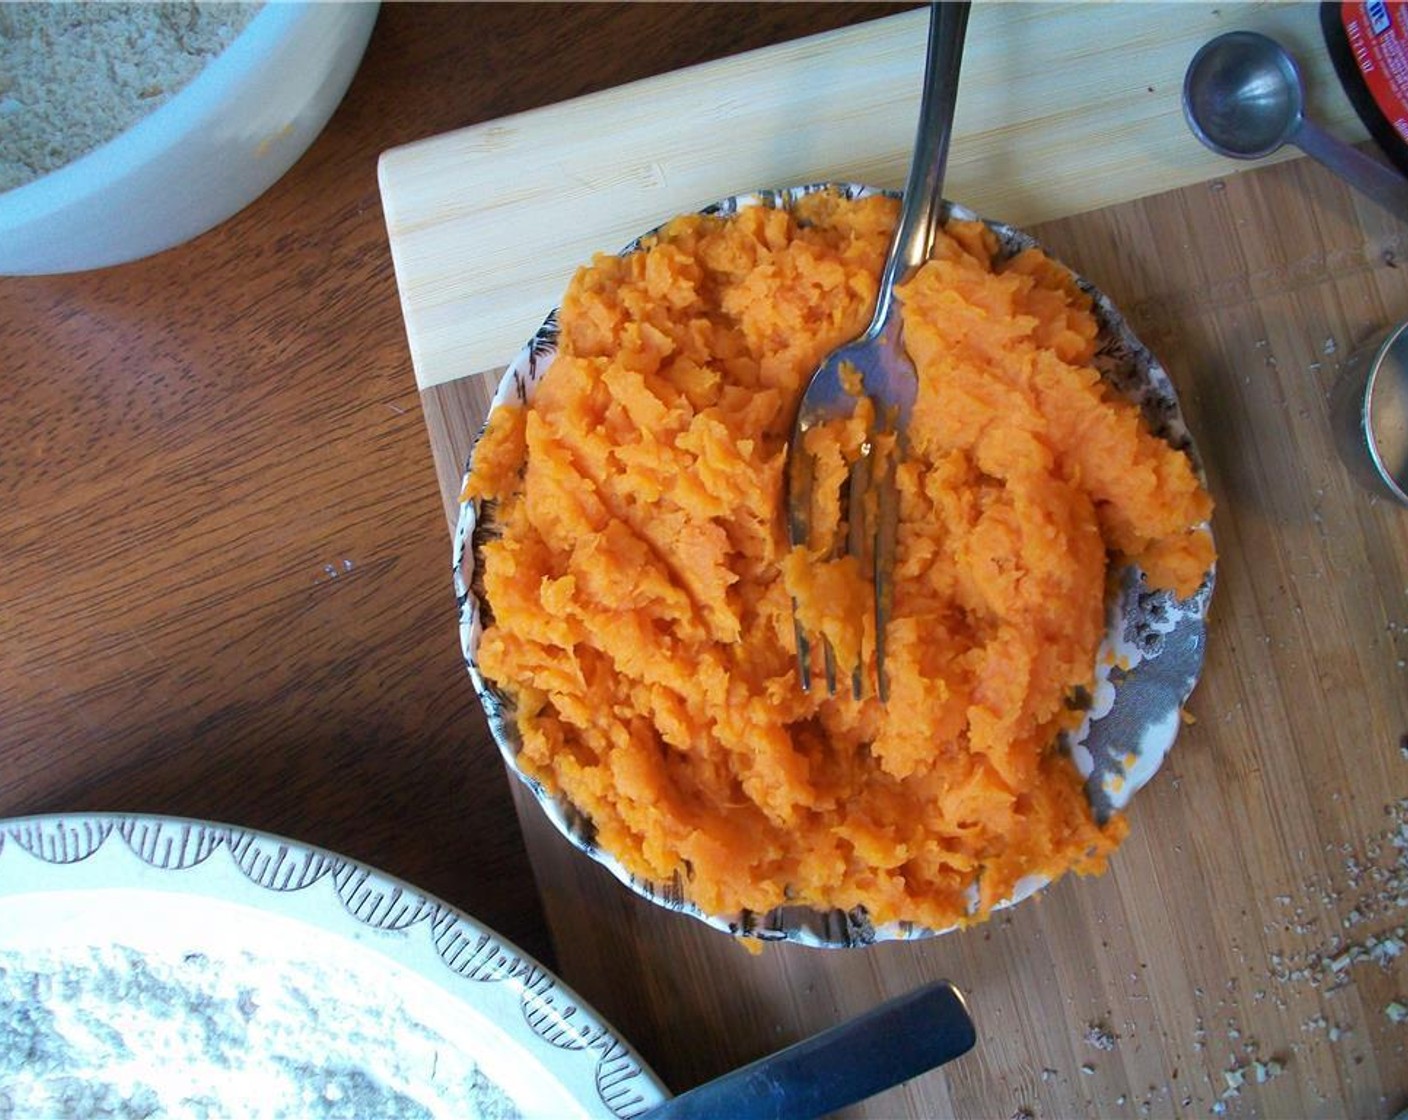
x,y
895,1041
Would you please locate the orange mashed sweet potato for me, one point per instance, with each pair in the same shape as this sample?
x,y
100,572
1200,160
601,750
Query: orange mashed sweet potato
x,y
641,591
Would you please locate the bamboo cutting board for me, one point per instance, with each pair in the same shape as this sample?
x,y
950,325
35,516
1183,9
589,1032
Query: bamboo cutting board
x,y
1062,108
1245,952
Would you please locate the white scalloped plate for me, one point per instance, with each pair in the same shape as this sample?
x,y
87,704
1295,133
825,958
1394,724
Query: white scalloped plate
x,y
159,966
1146,667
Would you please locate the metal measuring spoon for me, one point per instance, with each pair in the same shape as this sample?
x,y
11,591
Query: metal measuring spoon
x,y
1243,98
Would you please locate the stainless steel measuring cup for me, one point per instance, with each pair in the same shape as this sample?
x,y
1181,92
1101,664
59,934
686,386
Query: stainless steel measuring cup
x,y
1369,410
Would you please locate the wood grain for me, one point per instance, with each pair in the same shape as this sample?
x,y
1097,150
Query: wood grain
x,y
225,570
191,447
1269,855
1062,108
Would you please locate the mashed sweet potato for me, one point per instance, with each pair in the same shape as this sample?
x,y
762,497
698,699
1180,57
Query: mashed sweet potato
x,y
641,588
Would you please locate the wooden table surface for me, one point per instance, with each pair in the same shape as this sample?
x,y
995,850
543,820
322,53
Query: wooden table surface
x,y
226,595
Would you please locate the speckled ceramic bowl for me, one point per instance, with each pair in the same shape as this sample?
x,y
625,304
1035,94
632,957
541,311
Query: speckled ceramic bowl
x,y
1147,665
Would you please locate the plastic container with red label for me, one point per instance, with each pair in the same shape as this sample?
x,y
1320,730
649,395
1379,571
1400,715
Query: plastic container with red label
x,y
1368,43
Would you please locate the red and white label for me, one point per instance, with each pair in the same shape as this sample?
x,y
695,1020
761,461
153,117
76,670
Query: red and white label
x,y
1379,39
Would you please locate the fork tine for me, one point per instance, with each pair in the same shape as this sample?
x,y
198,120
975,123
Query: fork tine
x,y
858,534
886,527
801,479
799,531
804,652
838,547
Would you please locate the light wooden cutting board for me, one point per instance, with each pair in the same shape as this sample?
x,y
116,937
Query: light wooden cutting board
x,y
1063,108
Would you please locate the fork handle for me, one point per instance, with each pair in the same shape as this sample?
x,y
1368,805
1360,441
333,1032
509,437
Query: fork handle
x,y
920,211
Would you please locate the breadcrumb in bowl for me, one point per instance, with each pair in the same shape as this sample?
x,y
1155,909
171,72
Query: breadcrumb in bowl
x,y
625,586
208,150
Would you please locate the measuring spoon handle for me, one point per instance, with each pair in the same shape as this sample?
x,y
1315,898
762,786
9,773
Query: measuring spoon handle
x,y
1381,183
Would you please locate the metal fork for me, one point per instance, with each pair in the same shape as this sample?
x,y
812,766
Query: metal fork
x,y
886,374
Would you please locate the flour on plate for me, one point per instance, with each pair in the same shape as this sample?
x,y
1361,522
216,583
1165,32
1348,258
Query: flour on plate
x,y
124,1033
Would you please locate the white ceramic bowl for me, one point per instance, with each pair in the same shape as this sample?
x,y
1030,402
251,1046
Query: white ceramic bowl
x,y
215,147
